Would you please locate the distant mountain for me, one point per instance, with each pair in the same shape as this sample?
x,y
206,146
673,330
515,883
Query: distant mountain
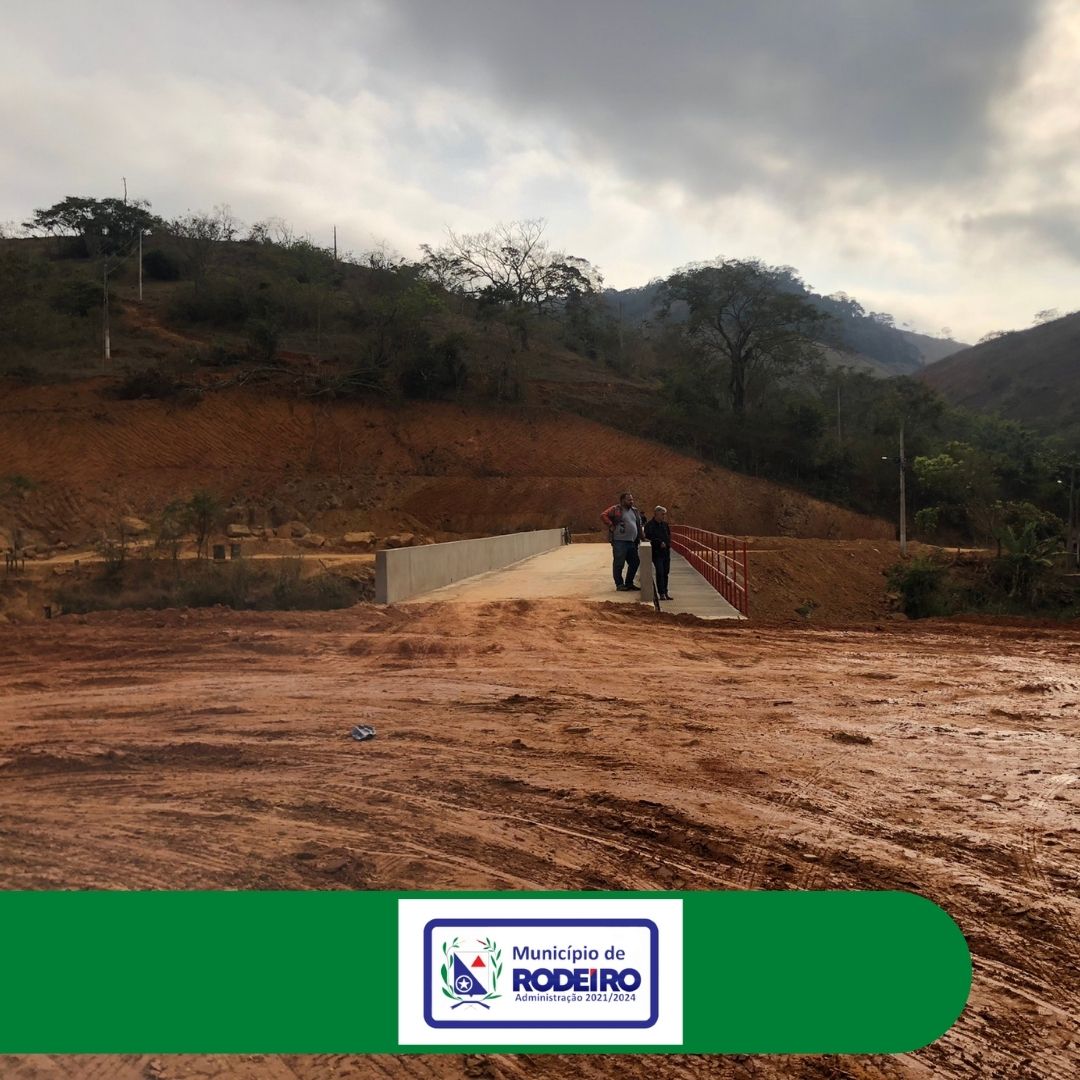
x,y
861,340
1028,375
932,349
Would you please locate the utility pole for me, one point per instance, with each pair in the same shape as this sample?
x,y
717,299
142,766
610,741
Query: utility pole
x,y
107,356
335,243
903,497
124,178
140,263
1074,523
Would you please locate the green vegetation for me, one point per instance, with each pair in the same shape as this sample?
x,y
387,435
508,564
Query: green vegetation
x,y
1026,577
93,226
922,587
243,585
742,325
1025,565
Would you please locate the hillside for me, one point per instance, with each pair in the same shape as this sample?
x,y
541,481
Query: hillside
x,y
932,349
1032,376
82,460
315,343
864,341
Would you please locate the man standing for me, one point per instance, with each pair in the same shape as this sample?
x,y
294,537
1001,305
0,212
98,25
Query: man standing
x,y
658,533
625,526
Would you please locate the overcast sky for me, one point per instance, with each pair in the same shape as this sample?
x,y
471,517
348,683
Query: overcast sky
x,y
920,155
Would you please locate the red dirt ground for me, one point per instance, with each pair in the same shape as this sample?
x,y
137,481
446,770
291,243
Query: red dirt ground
x,y
210,750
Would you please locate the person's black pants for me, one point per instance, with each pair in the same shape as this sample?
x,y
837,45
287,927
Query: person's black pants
x,y
661,558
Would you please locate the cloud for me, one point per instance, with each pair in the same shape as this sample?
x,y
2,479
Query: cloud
x,y
1052,227
720,94
888,149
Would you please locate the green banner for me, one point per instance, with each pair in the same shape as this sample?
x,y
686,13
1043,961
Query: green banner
x,y
319,972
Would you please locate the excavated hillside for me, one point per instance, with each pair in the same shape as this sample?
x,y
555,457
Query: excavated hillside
x,y
72,461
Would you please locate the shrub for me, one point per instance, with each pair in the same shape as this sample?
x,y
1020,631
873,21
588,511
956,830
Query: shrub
x,y
322,593
26,374
236,584
264,338
921,583
221,355
71,247
160,265
218,304
927,521
152,383
229,585
77,298
293,592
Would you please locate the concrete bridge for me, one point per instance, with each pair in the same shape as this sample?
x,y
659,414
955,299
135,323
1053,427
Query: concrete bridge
x,y
707,574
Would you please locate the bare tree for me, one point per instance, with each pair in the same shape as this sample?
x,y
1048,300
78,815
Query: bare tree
x,y
200,235
510,268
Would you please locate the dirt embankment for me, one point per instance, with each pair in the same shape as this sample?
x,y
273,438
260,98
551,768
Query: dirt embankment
x,y
81,460
211,750
821,581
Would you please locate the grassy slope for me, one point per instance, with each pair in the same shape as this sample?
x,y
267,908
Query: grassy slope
x,y
1031,375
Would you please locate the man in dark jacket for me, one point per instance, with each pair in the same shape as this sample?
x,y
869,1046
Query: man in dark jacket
x,y
658,533
625,527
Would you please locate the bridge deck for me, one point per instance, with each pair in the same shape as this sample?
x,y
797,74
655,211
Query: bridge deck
x,y
582,571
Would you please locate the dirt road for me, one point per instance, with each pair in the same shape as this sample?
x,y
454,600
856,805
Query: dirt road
x,y
589,746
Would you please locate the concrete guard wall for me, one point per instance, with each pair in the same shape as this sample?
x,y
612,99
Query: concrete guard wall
x,y
401,573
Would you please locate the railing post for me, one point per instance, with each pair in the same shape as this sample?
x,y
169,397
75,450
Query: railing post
x,y
746,583
720,559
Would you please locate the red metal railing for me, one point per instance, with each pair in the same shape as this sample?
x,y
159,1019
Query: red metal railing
x,y
719,559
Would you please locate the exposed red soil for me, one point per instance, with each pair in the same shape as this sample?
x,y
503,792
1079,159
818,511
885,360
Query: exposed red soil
x,y
438,468
210,750
823,582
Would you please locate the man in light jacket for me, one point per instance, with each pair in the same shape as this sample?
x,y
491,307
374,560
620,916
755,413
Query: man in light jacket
x,y
625,527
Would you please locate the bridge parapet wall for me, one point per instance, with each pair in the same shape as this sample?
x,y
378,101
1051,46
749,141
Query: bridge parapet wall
x,y
401,573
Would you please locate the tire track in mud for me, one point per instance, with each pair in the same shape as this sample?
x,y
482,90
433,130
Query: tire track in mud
x,y
1033,848
649,848
970,1036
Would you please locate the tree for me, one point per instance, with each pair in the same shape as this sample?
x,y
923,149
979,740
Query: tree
x,y
962,482
510,268
318,274
106,225
274,230
744,321
200,235
175,518
201,514
1026,562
